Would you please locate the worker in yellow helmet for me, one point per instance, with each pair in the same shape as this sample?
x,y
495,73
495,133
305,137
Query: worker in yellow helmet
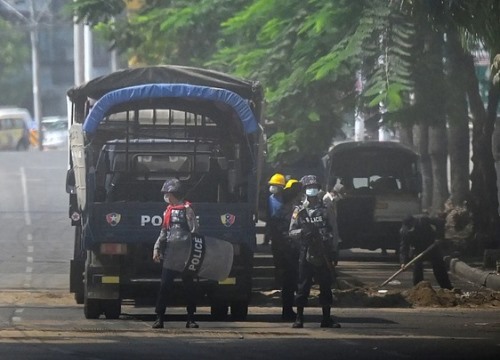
x,y
276,184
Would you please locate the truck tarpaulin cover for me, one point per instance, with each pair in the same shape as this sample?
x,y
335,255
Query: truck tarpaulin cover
x,y
150,91
165,74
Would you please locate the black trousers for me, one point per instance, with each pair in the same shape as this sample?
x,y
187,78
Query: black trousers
x,y
435,257
286,261
166,285
321,274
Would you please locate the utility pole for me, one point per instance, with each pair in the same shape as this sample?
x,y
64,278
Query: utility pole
x,y
78,52
37,104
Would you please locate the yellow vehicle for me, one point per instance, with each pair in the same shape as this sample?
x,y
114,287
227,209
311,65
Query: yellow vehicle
x,y
14,129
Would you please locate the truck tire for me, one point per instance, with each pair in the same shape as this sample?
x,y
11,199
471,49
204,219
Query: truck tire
x,y
239,310
92,308
112,309
79,298
218,311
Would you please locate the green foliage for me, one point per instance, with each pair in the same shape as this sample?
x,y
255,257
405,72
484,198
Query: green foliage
x,y
96,11
13,81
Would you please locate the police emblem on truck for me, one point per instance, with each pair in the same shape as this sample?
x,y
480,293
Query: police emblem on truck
x,y
113,218
227,219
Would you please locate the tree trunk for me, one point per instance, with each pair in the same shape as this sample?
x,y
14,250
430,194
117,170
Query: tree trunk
x,y
438,151
430,90
458,121
421,141
484,201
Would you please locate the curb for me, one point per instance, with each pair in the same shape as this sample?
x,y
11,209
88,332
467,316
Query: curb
x,y
487,279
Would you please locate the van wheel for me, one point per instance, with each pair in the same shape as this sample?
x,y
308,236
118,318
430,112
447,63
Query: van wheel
x,y
218,311
239,310
112,309
92,308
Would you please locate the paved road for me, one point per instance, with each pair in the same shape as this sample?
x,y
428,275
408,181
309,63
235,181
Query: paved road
x,y
39,320
36,240
60,333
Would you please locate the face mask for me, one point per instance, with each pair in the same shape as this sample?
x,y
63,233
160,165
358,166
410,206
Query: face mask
x,y
165,197
273,189
312,192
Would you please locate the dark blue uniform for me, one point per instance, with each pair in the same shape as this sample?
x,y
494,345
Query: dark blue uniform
x,y
417,234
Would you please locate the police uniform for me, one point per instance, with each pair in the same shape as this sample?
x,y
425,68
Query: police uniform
x,y
285,255
417,234
310,228
179,221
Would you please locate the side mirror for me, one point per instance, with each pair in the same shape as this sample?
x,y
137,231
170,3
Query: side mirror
x,y
70,182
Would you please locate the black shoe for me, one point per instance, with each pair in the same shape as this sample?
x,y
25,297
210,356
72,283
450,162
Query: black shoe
x,y
329,323
191,324
158,324
288,315
298,324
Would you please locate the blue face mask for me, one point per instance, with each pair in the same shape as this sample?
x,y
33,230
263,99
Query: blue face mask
x,y
312,192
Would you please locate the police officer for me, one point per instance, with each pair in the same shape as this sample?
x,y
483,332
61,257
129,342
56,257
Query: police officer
x,y
274,206
330,200
179,221
285,254
310,227
417,234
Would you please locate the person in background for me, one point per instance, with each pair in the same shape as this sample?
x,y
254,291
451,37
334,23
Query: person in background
x,y
274,206
285,253
417,234
179,222
330,200
310,226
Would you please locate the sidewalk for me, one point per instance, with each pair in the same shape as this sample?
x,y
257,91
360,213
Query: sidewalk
x,y
474,274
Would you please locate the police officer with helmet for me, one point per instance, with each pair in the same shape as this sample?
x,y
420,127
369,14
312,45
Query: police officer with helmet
x,y
179,222
310,227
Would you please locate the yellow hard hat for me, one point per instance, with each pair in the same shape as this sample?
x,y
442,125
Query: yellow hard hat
x,y
290,182
277,179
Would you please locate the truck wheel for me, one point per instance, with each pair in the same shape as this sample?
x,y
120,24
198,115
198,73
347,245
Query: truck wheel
x,y
79,298
218,310
112,309
92,308
239,310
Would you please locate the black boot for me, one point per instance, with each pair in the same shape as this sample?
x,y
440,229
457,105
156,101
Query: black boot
x,y
299,321
288,314
327,321
158,324
191,324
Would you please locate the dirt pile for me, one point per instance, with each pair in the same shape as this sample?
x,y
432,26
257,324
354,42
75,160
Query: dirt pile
x,y
421,295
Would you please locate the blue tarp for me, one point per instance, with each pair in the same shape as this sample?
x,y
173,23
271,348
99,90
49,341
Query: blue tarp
x,y
150,91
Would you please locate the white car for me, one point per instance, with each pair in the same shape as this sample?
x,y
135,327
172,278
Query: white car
x,y
54,132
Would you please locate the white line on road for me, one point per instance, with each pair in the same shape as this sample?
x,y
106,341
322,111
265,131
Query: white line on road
x,y
29,259
27,217
30,249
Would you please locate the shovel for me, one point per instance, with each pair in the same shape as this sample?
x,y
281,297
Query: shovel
x,y
405,266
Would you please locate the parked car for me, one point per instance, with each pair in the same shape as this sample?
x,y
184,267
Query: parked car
x,y
54,132
14,129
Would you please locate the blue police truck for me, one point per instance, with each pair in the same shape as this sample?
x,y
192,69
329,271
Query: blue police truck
x,y
129,131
